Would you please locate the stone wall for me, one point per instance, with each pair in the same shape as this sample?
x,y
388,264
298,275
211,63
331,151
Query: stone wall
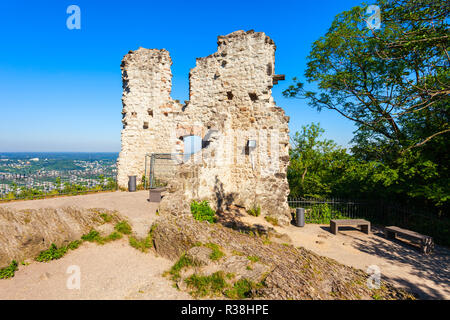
x,y
230,103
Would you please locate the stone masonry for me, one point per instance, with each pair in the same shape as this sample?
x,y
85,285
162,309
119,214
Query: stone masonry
x,y
246,136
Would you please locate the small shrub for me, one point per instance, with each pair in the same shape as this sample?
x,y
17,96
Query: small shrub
x,y
255,211
123,227
52,253
203,212
9,271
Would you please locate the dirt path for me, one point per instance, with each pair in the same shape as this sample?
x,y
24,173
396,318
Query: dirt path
x,y
400,263
112,271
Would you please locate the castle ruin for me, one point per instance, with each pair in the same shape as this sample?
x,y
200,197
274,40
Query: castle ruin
x,y
245,135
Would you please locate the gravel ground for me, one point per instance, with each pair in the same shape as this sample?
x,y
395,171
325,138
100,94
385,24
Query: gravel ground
x,y
111,271
400,263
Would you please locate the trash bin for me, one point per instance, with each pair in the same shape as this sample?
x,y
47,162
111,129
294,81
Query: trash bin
x,y
300,217
131,183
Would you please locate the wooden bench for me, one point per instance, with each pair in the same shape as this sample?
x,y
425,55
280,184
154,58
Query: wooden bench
x,y
335,224
426,243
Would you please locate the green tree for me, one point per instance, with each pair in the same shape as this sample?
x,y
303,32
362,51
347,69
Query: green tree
x,y
382,79
394,84
314,162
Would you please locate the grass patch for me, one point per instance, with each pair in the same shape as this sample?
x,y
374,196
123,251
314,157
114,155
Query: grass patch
x,y
142,244
272,220
74,244
106,217
52,253
9,271
376,296
216,253
184,261
113,236
92,236
253,258
203,212
230,275
210,285
255,211
241,289
123,227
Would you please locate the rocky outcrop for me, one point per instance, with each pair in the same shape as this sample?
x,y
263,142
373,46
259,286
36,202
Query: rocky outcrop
x,y
284,272
25,233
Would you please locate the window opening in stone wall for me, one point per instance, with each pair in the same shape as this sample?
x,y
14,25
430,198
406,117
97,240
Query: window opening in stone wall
x,y
253,96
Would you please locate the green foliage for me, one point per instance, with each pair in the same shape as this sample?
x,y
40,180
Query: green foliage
x,y
143,244
241,289
321,213
123,227
253,258
113,236
203,212
216,253
106,217
74,244
9,271
393,83
210,285
92,236
254,211
315,163
52,253
183,262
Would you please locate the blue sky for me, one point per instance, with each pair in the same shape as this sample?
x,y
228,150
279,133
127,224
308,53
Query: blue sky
x,y
61,89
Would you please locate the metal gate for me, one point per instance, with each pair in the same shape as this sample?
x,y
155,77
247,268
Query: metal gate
x,y
160,168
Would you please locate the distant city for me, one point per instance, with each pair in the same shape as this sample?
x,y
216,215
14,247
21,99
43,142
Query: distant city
x,y
52,173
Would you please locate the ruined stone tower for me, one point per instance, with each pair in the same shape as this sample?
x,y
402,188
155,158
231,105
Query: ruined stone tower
x,y
245,157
